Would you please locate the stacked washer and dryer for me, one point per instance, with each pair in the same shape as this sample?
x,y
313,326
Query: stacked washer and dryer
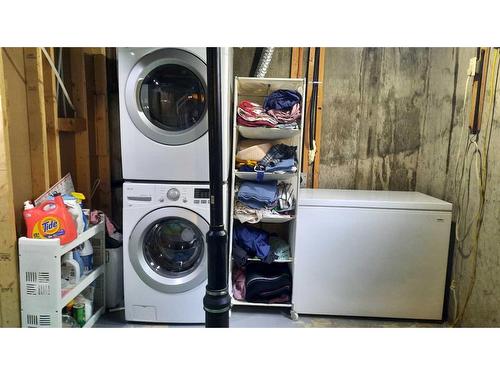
x,y
166,210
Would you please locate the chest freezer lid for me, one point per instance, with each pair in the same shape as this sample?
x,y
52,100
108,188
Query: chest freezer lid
x,y
408,200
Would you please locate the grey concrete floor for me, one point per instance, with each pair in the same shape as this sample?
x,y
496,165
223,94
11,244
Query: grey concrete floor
x,y
245,317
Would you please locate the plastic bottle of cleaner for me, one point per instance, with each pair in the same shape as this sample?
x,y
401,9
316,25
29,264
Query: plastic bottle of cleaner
x,y
70,269
79,199
79,260
51,219
87,254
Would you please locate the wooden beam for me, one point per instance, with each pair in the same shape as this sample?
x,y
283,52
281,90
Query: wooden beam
x,y
79,98
319,118
478,91
36,120
19,139
9,277
296,69
71,125
101,123
54,151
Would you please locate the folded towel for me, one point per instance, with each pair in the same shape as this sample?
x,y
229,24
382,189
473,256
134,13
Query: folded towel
x,y
258,195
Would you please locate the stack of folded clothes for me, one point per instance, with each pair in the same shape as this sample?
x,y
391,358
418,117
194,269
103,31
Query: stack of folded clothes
x,y
259,155
258,195
250,152
253,114
280,158
281,110
265,199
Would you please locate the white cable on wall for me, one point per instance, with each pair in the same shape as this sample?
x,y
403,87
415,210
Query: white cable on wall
x,y
61,83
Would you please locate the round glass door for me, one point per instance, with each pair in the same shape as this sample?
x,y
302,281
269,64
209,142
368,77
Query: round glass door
x,y
167,249
165,96
172,97
173,247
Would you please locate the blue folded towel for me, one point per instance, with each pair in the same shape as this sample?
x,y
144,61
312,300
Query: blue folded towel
x,y
258,195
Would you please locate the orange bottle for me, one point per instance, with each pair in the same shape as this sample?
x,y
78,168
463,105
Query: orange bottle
x,y
51,220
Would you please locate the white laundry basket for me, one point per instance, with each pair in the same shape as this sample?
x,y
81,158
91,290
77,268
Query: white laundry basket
x,y
114,277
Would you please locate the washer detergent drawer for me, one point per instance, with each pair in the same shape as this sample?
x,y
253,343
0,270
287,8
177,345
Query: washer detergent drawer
x,y
371,262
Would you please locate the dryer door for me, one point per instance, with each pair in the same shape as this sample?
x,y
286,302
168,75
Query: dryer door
x,y
167,249
165,95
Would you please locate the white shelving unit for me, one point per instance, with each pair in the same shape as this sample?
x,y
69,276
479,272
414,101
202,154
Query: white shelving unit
x,y
255,90
42,295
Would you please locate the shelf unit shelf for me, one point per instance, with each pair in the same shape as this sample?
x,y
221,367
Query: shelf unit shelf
x,y
266,176
42,296
255,90
267,133
290,260
236,302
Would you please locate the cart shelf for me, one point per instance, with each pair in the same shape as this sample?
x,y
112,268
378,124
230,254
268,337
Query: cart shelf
x,y
42,295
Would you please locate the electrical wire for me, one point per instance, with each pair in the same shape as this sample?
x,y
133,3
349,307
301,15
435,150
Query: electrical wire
x,y
481,159
312,109
59,79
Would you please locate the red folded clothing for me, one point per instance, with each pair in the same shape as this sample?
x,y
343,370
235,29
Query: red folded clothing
x,y
254,114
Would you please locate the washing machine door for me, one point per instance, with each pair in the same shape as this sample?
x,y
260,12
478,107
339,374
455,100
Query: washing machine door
x,y
167,249
165,95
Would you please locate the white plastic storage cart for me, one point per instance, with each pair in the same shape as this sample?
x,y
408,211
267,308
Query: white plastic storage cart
x,y
255,90
371,253
42,295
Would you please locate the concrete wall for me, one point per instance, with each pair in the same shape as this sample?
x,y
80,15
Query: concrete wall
x,y
391,120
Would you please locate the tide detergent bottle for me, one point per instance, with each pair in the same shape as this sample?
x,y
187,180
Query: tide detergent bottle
x,y
51,219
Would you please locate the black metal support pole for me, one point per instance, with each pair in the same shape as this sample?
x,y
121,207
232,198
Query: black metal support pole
x,y
216,302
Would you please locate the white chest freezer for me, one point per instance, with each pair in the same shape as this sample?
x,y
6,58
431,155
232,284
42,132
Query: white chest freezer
x,y
371,253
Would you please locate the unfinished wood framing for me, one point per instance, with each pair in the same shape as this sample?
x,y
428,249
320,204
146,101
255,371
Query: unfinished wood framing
x,y
296,68
19,138
79,98
51,118
478,91
102,144
9,279
36,120
312,170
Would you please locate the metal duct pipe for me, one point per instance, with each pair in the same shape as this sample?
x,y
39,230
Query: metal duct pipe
x,y
264,62
217,301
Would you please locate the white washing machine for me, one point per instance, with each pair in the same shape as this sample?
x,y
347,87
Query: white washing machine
x,y
163,113
165,252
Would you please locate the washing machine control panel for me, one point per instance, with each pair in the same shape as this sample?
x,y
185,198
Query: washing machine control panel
x,y
145,194
181,194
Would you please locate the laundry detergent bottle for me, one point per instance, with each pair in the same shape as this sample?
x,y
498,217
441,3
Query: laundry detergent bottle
x,y
51,219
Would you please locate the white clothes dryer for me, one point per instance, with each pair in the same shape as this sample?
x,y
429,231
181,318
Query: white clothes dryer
x,y
165,252
163,113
